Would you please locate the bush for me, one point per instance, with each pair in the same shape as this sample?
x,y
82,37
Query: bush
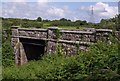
x,y
7,54
100,63
32,24
7,51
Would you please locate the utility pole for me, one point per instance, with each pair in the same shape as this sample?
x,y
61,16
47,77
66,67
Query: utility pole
x,y
92,15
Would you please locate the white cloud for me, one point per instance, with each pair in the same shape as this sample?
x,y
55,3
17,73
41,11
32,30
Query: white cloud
x,y
101,10
105,10
110,12
42,0
45,10
42,3
100,7
11,11
61,12
56,12
75,18
100,4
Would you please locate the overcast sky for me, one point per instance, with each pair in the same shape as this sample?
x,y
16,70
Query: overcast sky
x,y
57,10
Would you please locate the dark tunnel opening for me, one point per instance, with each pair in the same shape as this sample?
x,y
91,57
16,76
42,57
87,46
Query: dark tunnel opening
x,y
34,49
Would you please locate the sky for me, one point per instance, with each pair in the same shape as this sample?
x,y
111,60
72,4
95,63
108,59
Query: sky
x,y
75,10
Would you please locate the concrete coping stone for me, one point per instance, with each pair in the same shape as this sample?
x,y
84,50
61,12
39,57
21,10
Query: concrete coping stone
x,y
76,42
15,26
32,29
77,32
71,42
30,37
103,30
53,28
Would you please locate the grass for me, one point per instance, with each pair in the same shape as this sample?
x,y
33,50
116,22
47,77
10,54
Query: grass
x,y
46,25
68,27
100,63
71,27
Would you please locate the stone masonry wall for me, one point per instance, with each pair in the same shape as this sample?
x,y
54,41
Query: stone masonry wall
x,y
67,39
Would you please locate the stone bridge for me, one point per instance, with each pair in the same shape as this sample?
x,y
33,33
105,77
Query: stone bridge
x,y
32,43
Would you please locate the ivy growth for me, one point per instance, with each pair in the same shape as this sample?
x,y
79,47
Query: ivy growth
x,y
57,33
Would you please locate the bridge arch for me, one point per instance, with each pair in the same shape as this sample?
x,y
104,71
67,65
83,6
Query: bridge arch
x,y
33,48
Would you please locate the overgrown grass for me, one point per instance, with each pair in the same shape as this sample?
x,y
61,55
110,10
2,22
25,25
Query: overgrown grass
x,y
69,27
101,63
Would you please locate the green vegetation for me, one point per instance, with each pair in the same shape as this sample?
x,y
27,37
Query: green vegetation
x,y
7,51
101,62
111,23
39,19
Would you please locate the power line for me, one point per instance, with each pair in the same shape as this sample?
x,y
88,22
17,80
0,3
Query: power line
x,y
92,15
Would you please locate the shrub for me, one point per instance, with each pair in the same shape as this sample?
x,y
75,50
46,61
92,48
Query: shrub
x,y
101,62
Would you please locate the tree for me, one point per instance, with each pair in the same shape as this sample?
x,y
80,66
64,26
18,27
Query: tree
x,y
46,20
63,19
39,19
